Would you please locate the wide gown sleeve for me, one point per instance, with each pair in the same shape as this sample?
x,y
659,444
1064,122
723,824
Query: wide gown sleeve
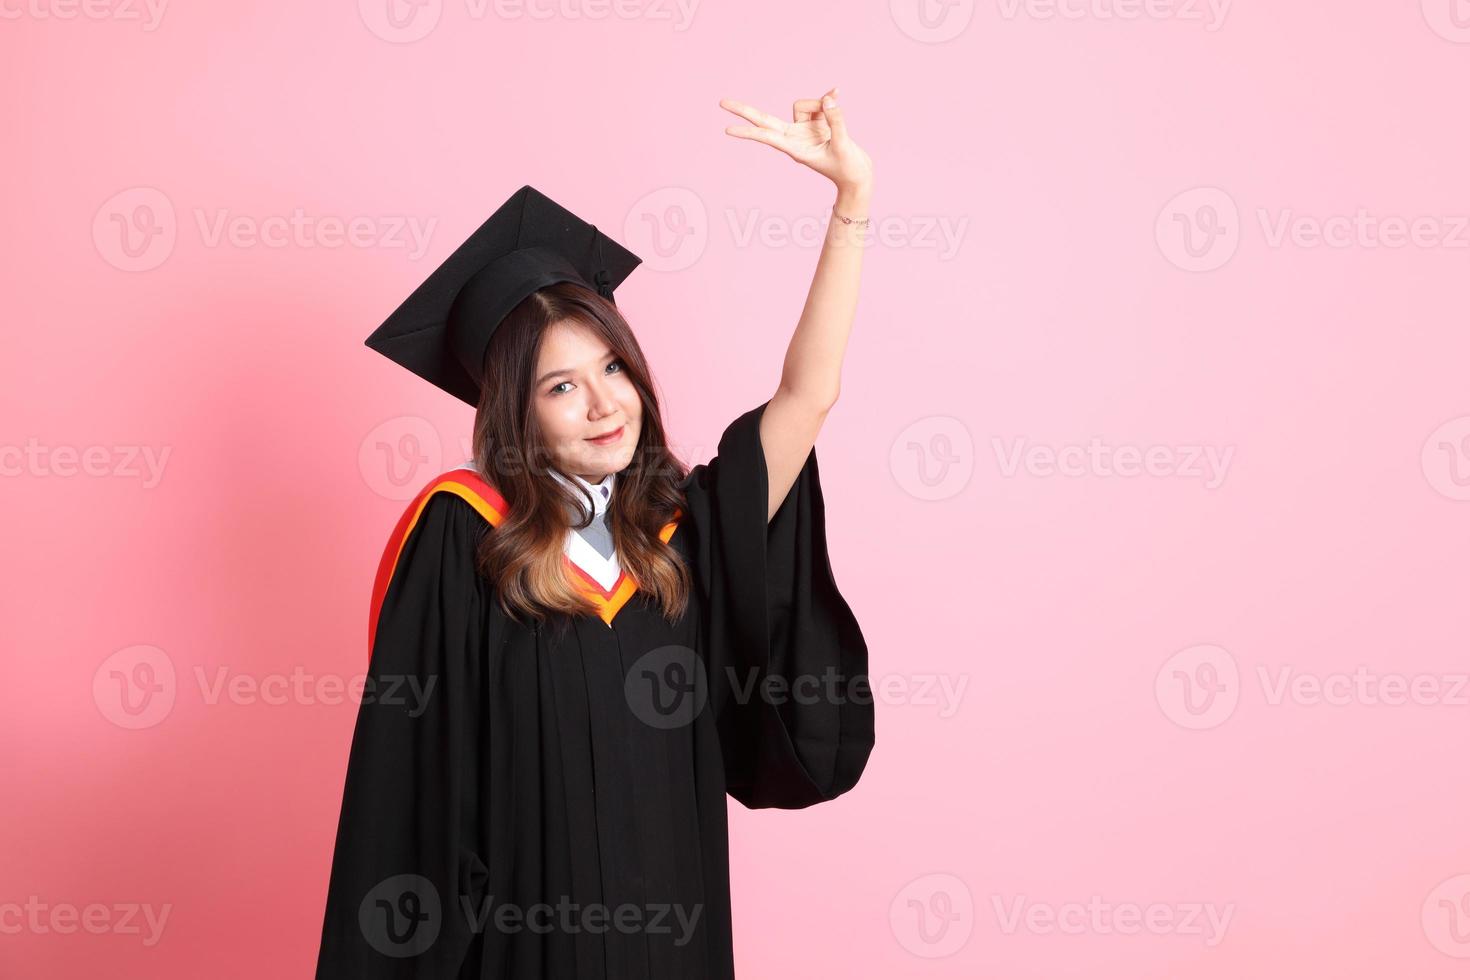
x,y
787,663
406,848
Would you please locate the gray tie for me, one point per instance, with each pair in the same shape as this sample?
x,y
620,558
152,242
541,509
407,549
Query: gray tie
x,y
597,533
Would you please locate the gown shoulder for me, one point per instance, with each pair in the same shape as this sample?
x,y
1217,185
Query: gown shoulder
x,y
457,501
407,835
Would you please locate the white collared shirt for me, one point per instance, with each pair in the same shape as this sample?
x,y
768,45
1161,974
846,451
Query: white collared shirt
x,y
602,570
579,549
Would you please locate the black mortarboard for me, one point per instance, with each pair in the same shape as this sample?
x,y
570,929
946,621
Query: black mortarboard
x,y
441,332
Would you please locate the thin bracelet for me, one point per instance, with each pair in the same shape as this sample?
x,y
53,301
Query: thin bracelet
x,y
851,221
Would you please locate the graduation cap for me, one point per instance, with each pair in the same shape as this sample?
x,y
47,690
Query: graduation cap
x,y
441,332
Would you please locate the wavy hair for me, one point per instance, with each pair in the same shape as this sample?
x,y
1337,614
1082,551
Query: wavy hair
x,y
523,556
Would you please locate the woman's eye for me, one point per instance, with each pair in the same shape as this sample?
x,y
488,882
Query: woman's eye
x,y
610,366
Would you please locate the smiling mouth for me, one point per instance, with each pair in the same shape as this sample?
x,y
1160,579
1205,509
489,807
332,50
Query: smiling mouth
x,y
608,436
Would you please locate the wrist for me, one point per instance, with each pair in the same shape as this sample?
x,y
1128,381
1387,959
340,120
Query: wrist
x,y
853,200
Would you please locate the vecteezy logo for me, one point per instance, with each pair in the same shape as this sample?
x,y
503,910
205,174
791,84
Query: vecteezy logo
x,y
400,21
135,229
933,458
1446,458
1450,19
1446,917
667,687
135,687
401,916
933,915
932,21
670,226
1198,687
1199,230
399,455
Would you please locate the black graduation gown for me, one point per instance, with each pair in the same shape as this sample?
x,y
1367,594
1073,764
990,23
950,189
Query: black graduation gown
x,y
551,804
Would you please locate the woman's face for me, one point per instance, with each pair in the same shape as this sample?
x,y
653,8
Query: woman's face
x,y
582,391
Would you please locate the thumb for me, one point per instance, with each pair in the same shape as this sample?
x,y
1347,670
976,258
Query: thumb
x,y
833,114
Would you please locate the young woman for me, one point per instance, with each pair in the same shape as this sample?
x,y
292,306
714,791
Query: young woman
x,y
579,647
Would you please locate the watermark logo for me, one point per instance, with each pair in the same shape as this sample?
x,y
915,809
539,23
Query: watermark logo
x,y
672,228
400,21
1362,230
1199,229
138,687
1450,19
667,687
39,918
1210,13
401,916
572,918
149,13
933,916
932,21
939,233
136,229
830,687
301,230
135,687
1446,917
1198,687
98,462
933,458
1100,917
1362,688
669,227
399,455
923,690
406,21
1445,458
410,692
1208,464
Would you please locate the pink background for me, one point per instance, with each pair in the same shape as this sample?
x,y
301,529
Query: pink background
x,y
1113,187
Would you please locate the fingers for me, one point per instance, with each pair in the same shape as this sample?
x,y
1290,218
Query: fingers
x,y
833,112
804,109
768,129
754,115
757,133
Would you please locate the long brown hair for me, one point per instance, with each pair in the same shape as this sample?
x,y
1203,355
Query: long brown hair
x,y
523,556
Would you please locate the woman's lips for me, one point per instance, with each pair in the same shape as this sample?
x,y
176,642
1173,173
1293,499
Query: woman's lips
x,y
610,438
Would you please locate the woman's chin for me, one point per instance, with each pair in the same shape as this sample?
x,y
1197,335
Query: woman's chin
x,y
606,459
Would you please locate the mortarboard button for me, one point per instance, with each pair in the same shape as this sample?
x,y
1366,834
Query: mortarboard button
x,y
442,330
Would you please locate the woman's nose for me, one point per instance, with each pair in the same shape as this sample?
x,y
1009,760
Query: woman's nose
x,y
603,402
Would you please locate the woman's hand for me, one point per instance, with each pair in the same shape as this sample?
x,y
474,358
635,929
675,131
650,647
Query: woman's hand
x,y
816,136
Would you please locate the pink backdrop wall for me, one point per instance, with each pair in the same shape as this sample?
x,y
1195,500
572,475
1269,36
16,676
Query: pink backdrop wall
x,y
1150,482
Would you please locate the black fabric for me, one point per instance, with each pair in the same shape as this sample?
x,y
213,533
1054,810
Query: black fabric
x,y
774,611
442,331
530,774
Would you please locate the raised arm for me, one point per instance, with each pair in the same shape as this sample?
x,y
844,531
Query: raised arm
x,y
812,372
